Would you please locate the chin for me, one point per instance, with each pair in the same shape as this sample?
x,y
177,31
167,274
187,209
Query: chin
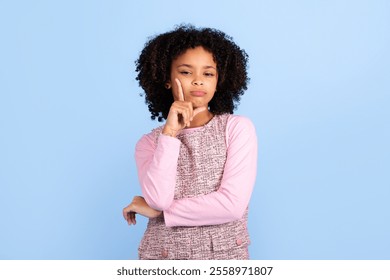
x,y
197,105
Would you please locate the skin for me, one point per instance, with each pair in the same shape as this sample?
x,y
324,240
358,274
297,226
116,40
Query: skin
x,y
193,80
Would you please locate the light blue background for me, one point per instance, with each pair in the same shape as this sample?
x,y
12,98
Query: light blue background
x,y
70,115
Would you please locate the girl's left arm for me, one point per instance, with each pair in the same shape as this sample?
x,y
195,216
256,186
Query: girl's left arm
x,y
230,201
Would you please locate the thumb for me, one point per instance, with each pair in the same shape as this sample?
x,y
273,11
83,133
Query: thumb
x,y
198,110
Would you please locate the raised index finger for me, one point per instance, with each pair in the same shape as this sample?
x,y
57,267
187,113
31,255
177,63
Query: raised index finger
x,y
180,90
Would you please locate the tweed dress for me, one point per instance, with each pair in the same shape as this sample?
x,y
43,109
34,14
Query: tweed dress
x,y
200,167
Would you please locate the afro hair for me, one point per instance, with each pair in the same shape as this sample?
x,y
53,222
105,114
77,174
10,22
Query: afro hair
x,y
154,68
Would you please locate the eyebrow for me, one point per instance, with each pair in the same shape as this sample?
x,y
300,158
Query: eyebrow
x,y
190,66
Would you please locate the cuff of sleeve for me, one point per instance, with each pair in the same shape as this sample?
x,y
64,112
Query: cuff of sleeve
x,y
168,144
168,139
168,218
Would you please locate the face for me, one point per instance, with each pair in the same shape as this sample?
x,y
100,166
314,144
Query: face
x,y
197,72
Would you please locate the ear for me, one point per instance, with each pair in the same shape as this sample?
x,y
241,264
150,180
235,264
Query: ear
x,y
168,85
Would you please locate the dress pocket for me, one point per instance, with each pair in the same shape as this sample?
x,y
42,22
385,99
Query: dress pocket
x,y
230,236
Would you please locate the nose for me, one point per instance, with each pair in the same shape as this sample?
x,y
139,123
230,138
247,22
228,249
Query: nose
x,y
197,81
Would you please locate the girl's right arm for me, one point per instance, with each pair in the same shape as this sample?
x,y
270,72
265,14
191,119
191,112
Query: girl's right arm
x,y
157,165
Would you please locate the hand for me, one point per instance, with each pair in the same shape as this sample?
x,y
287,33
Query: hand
x,y
139,206
180,114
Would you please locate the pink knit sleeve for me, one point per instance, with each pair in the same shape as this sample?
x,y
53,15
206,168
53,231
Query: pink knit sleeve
x,y
230,201
157,165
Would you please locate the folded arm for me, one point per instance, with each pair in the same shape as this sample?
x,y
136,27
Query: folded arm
x,y
230,201
157,166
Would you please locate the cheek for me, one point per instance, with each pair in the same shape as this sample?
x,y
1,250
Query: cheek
x,y
213,86
185,85
175,94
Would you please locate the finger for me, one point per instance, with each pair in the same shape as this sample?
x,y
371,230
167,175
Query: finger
x,y
180,90
184,114
182,111
128,218
187,115
131,218
190,112
125,213
198,110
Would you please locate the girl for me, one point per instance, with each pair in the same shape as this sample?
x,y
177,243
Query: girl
x,y
196,171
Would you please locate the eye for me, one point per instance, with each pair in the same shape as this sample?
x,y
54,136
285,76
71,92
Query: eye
x,y
185,72
207,74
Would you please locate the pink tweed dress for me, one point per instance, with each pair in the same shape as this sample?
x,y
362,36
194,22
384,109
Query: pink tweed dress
x,y
200,168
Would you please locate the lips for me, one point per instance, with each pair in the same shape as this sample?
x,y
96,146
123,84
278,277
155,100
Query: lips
x,y
198,93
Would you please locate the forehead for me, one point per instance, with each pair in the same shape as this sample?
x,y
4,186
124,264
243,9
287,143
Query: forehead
x,y
195,56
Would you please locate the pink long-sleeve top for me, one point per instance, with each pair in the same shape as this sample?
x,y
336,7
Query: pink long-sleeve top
x,y
157,167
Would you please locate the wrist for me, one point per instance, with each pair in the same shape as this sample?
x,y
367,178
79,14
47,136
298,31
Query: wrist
x,y
169,131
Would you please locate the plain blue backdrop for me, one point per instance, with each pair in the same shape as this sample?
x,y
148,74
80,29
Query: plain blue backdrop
x,y
71,113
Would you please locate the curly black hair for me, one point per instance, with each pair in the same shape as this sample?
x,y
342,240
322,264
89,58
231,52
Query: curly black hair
x,y
154,68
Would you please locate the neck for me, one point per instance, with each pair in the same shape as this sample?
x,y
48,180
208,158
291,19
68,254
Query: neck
x,y
201,119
